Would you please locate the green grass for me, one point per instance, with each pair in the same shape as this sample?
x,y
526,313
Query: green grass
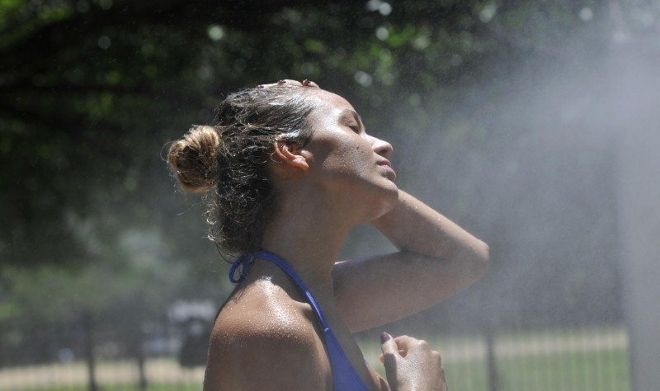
x,y
581,371
595,360
581,360
128,387
599,370
603,371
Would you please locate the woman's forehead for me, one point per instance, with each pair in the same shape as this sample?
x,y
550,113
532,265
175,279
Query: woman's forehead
x,y
331,109
330,102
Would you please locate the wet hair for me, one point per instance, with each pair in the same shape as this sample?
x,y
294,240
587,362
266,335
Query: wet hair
x,y
228,160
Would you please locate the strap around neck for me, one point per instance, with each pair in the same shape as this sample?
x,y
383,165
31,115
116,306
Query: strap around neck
x,y
245,262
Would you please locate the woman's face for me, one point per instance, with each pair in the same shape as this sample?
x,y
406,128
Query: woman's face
x,y
346,160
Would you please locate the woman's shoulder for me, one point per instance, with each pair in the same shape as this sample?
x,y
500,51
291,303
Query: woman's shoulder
x,y
260,333
260,312
263,307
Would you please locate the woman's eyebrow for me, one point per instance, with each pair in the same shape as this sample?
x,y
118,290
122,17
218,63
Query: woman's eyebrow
x,y
351,113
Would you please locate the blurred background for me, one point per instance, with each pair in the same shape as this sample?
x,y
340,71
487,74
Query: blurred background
x,y
533,124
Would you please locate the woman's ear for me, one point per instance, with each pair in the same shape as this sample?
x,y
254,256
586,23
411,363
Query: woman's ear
x,y
289,154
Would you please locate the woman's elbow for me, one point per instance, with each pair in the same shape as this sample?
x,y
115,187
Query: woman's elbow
x,y
479,260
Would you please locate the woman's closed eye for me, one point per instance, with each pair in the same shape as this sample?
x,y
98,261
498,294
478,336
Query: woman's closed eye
x,y
355,128
351,119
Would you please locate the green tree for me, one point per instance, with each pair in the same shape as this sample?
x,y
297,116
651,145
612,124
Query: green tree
x,y
90,91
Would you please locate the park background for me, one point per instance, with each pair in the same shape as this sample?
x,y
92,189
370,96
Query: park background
x,y
507,116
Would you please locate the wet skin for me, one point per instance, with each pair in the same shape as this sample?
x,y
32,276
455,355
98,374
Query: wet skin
x,y
349,166
266,336
346,162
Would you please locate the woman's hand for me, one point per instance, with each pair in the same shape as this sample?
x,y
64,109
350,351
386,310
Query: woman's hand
x,y
410,364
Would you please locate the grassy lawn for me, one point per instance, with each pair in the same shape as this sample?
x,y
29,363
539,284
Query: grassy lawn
x,y
606,371
554,361
580,371
126,387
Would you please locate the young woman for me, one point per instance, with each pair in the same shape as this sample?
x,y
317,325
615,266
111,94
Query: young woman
x,y
292,170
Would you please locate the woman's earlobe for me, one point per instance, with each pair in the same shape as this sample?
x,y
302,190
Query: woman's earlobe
x,y
290,155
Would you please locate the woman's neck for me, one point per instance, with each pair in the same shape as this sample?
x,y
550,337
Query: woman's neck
x,y
309,232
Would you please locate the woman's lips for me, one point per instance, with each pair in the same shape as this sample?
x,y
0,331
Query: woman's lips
x,y
388,166
385,162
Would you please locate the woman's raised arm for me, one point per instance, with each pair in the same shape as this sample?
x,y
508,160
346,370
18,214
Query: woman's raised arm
x,y
436,258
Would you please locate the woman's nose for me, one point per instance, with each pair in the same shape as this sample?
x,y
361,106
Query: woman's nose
x,y
382,147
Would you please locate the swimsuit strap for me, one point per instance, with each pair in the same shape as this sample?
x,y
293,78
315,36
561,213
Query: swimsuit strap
x,y
245,262
345,378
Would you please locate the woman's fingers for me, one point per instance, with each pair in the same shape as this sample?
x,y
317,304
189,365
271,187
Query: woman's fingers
x,y
390,351
390,356
411,361
437,356
380,357
406,343
388,344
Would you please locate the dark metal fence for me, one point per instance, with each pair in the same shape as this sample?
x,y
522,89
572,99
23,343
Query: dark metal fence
x,y
171,356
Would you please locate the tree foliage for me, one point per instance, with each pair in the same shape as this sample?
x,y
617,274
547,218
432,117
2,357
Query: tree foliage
x,y
90,91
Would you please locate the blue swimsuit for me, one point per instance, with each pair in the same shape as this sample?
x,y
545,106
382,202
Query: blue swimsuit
x,y
344,376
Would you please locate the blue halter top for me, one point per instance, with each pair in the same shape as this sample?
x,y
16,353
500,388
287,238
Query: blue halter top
x,y
344,376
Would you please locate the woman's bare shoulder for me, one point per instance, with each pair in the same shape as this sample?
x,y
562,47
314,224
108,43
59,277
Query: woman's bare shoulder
x,y
263,338
263,307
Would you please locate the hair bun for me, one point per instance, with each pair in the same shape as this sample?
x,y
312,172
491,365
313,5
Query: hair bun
x,y
194,158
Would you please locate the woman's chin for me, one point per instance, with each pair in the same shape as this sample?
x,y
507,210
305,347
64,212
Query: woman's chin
x,y
387,199
391,191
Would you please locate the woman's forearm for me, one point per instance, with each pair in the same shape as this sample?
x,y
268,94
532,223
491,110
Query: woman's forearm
x,y
437,258
414,226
